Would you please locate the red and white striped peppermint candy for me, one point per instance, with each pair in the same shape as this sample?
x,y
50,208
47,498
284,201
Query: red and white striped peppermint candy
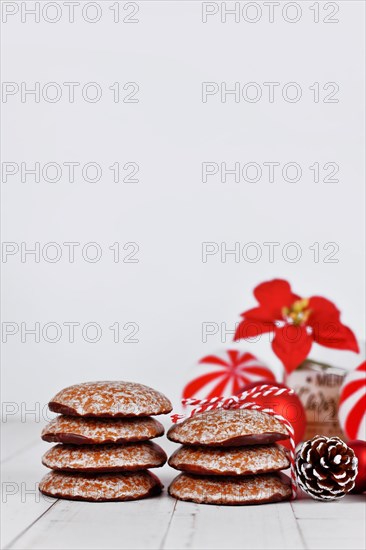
x,y
352,404
225,373
244,401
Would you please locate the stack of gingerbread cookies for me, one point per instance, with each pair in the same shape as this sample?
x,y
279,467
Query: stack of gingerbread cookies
x,y
230,457
104,449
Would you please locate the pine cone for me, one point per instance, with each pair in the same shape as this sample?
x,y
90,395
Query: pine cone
x,y
326,468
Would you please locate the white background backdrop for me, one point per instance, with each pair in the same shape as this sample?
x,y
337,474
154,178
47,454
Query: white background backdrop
x,y
170,212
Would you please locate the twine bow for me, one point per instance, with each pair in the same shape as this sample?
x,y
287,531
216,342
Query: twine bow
x,y
246,401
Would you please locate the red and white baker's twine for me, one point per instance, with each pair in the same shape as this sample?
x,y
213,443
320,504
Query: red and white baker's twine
x,y
243,401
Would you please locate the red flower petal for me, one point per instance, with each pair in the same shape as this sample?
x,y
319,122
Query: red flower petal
x,y
337,336
275,295
262,314
327,328
250,328
322,310
292,345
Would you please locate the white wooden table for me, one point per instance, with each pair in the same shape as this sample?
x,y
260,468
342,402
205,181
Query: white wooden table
x,y
30,520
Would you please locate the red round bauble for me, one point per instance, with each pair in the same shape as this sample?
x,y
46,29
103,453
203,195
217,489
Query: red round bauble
x,y
288,406
359,448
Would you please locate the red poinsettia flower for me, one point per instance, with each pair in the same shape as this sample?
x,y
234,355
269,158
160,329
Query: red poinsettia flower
x,y
296,323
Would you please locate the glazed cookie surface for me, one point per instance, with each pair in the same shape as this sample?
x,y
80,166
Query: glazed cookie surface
x,y
110,399
260,489
100,487
228,427
105,458
246,460
71,429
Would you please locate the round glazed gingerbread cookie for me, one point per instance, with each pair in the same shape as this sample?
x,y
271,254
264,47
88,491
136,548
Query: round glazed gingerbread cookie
x,y
79,430
105,458
110,400
246,460
100,487
227,428
260,489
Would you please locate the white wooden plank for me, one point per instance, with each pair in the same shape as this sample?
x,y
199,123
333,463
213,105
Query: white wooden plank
x,y
112,525
335,534
180,531
21,501
231,527
339,524
351,506
17,436
32,521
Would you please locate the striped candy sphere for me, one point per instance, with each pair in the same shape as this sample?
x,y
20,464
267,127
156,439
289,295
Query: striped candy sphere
x,y
352,404
224,374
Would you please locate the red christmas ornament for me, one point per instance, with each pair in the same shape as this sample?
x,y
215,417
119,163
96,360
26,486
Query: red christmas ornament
x,y
223,374
352,404
288,406
359,448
